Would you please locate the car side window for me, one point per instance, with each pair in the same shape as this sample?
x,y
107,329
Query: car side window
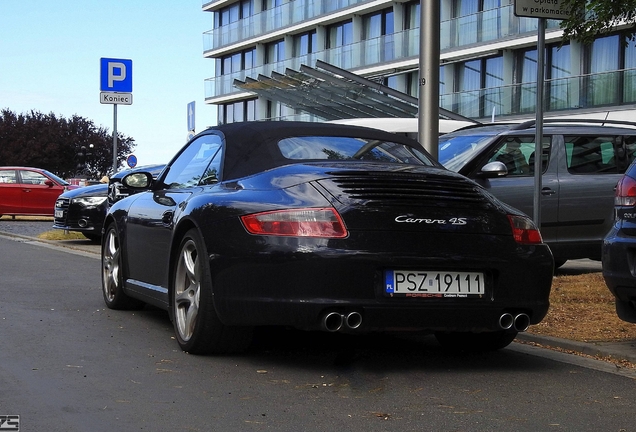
x,y
590,154
7,176
630,147
517,153
194,165
32,178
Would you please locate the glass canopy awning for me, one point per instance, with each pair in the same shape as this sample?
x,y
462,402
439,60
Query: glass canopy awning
x,y
332,93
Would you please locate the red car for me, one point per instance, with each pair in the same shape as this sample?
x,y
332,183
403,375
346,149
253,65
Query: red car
x,y
29,191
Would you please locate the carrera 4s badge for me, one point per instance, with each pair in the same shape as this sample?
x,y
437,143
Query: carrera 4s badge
x,y
416,220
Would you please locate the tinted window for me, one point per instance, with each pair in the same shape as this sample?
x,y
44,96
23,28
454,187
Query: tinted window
x,y
348,148
517,153
589,155
192,166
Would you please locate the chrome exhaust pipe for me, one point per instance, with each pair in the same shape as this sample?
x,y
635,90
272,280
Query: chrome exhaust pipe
x,y
353,320
522,322
332,322
506,321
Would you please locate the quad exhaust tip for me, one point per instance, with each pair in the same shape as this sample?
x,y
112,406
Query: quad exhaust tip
x,y
519,322
335,321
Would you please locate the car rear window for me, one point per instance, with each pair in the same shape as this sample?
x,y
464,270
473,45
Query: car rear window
x,y
350,148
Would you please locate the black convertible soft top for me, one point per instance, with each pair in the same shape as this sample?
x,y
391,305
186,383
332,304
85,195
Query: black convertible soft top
x,y
252,147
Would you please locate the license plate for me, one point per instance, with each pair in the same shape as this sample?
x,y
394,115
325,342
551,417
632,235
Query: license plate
x,y
439,284
59,213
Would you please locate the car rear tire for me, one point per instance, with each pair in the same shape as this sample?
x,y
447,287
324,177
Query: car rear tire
x,y
112,278
197,326
475,342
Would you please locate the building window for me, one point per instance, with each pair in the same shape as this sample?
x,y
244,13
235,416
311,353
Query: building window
x,y
528,79
305,43
378,24
412,15
340,34
275,52
603,61
233,13
479,83
339,44
559,72
236,62
476,20
271,4
237,111
629,76
378,29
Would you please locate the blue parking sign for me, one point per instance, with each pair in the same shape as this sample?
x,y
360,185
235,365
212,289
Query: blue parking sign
x,y
116,75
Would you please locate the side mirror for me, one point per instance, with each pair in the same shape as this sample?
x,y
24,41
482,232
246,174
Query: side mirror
x,y
137,180
49,183
493,170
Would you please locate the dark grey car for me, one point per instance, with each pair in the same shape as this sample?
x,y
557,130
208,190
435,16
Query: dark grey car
x,y
582,163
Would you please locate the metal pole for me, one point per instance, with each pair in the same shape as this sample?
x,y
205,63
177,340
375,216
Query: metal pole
x,y
428,103
538,138
115,138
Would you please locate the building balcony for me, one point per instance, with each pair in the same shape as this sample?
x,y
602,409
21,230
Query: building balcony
x,y
491,25
591,91
572,94
273,20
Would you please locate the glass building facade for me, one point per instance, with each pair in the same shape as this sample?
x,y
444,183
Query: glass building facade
x,y
488,61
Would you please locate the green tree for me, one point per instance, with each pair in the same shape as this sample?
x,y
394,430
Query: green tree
x,y
67,147
591,18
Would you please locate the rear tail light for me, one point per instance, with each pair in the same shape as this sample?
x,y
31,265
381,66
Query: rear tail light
x,y
625,192
524,230
310,222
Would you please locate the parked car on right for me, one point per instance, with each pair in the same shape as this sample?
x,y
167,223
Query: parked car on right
x,y
619,248
582,161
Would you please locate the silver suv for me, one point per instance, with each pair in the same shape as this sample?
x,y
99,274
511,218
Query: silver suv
x,y
582,162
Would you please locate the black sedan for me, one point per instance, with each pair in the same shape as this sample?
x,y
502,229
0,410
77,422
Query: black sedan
x,y
321,227
83,210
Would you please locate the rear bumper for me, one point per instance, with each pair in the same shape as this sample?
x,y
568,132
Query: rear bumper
x,y
619,264
300,289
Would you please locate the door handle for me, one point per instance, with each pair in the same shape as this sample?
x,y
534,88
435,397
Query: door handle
x,y
547,191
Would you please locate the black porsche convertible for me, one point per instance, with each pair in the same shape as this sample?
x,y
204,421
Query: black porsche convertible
x,y
321,227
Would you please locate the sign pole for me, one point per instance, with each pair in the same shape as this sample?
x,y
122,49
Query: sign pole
x,y
538,134
114,138
542,10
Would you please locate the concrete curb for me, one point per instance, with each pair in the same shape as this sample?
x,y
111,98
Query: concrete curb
x,y
625,350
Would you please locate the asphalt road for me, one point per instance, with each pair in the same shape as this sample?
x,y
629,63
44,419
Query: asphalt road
x,y
69,364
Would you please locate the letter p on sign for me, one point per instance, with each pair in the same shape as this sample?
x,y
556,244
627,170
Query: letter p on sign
x,y
116,75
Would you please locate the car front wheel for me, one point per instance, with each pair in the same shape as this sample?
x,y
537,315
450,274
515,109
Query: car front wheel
x,y
112,278
197,326
475,342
